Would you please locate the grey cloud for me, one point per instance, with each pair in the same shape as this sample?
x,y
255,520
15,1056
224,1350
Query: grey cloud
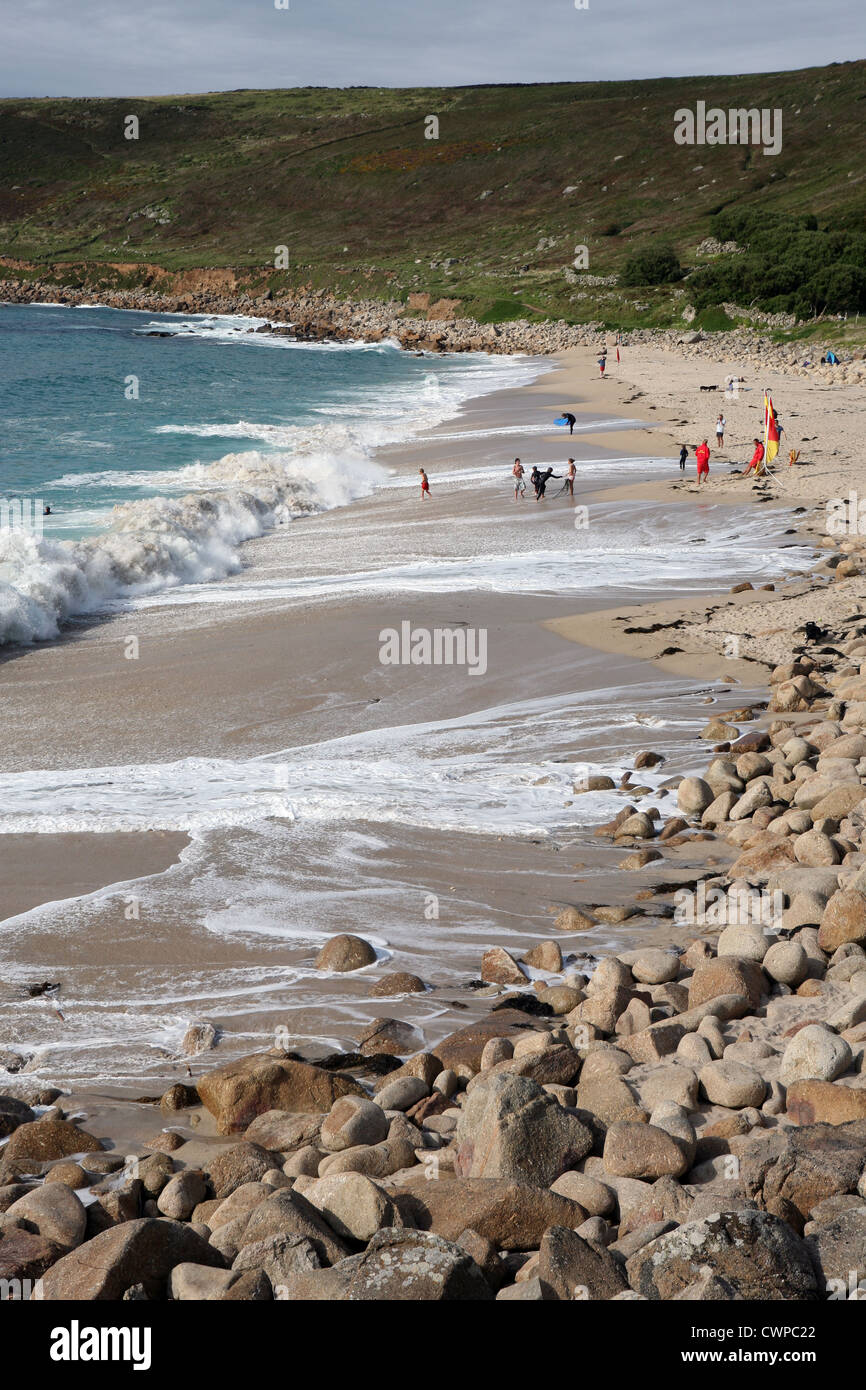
x,y
107,47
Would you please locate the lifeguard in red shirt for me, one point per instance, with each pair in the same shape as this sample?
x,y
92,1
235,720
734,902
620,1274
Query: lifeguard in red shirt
x,y
757,457
702,457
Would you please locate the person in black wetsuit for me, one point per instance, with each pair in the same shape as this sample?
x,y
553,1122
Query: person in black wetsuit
x,y
572,420
684,453
542,483
534,479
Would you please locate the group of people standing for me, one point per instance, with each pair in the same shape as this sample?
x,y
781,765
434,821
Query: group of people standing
x,y
540,478
702,453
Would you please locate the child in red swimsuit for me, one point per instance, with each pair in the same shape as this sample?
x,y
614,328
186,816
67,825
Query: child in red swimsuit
x,y
425,484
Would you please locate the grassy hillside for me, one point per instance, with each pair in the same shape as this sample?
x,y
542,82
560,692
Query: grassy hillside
x,y
489,214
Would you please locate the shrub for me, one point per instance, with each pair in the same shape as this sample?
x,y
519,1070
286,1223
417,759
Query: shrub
x,y
652,265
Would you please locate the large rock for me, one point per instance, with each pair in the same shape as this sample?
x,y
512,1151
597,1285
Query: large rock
x,y
837,1248
413,1266
13,1112
843,919
764,860
344,952
397,982
727,975
352,1205
821,1102
547,955
559,1066
401,1094
353,1120
279,1131
390,1035
464,1048
498,967
655,967
608,1098
642,1151
732,1084
139,1252
25,1256
377,1160
180,1197
513,1215
425,1066
55,1211
815,1053
510,1128
239,1091
758,1254
694,795
280,1256
238,1204
241,1164
200,1283
787,962
46,1139
574,1269
288,1213
801,1166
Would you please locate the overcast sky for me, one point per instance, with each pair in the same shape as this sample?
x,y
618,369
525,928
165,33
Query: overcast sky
x,y
142,47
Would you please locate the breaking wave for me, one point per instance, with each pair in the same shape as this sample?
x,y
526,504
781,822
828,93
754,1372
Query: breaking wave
x,y
161,542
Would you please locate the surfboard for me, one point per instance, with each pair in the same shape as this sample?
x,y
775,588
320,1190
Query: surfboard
x,y
561,421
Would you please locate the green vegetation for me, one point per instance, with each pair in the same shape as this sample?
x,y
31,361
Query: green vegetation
x,y
489,214
790,264
652,265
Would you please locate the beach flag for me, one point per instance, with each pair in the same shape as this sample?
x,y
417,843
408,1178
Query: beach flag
x,y
771,429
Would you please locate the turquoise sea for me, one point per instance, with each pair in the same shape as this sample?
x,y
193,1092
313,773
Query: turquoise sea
x,y
158,455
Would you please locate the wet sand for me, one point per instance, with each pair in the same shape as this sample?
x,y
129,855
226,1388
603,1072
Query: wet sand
x,y
276,667
37,869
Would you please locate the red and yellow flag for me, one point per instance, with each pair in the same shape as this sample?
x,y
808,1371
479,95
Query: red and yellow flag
x,y
771,429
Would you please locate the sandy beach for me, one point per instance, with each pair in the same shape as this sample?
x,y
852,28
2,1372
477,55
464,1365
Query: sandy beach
x,y
264,663
263,784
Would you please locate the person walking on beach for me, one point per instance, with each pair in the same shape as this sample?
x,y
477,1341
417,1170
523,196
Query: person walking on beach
x,y
684,453
543,479
425,484
519,484
602,362
702,456
570,474
572,420
757,459
720,431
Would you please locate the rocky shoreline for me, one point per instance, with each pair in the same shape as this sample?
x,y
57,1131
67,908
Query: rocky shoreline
x,y
316,315
678,1124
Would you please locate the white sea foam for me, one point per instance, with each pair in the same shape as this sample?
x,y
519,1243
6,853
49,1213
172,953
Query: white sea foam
x,y
637,556
499,771
159,543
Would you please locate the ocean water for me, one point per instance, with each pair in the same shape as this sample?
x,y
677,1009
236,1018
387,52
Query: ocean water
x,y
159,456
